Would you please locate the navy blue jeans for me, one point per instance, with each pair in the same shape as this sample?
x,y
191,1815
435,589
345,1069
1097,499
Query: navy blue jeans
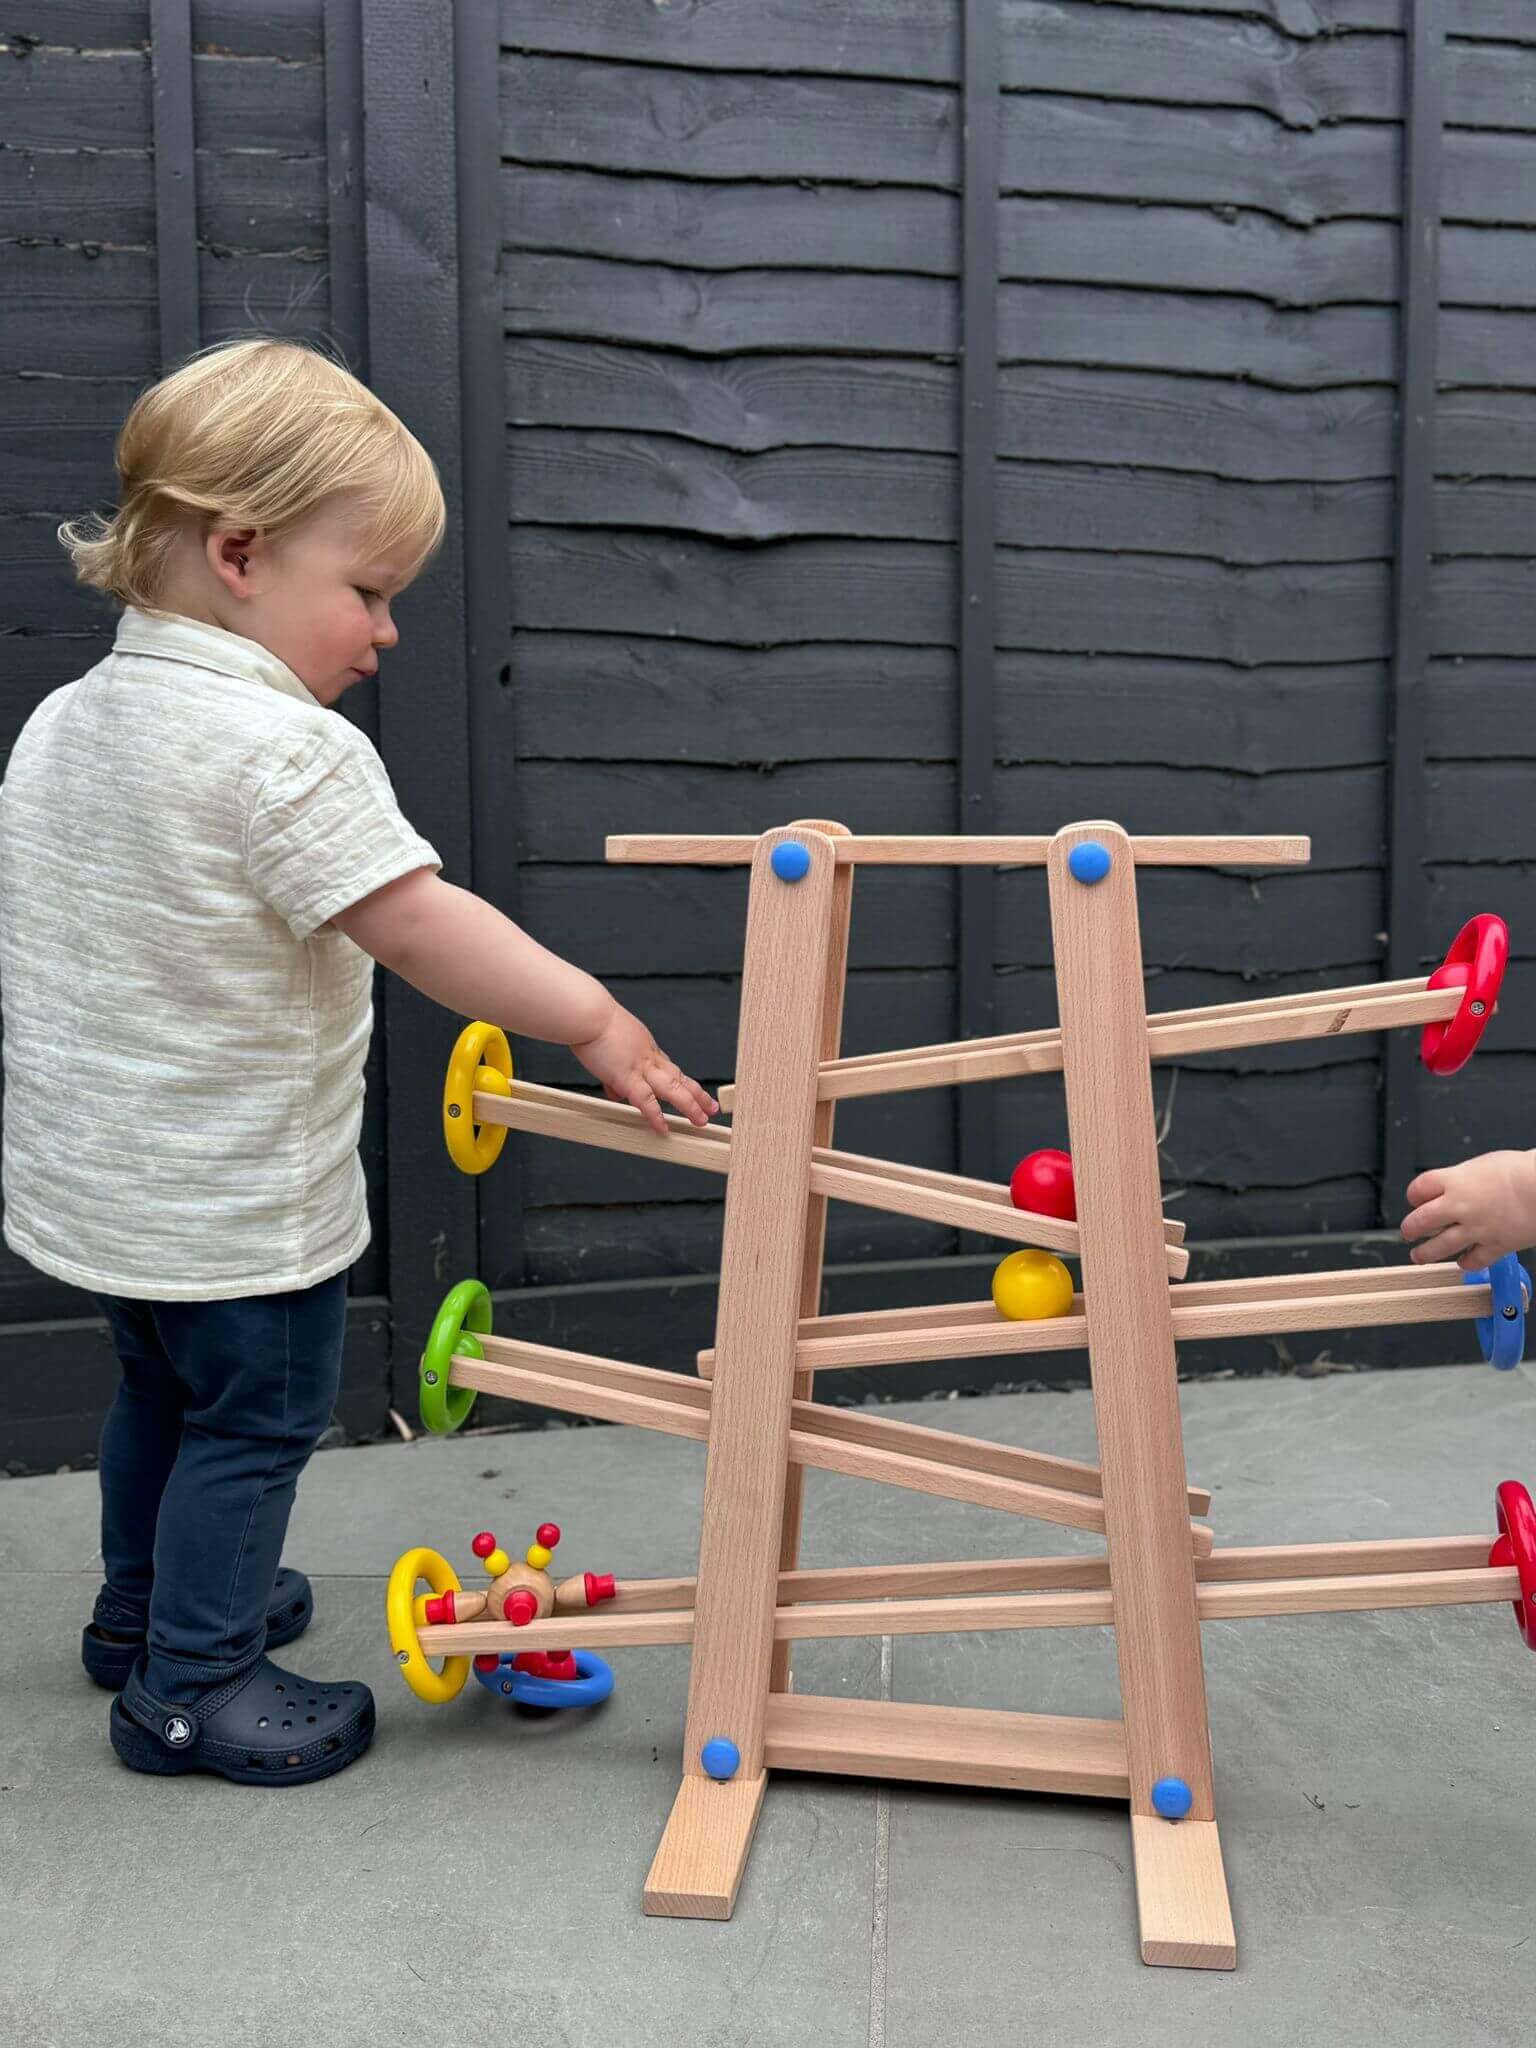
x,y
221,1404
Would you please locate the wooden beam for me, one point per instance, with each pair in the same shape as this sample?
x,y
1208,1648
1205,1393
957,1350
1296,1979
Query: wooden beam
x,y
948,1746
855,1445
992,1613
833,995
1061,1574
1373,1308
703,849
959,1063
890,1185
1096,939
699,1861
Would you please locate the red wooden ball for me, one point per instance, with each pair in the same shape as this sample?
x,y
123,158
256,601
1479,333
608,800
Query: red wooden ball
x,y
549,1534
483,1544
1042,1181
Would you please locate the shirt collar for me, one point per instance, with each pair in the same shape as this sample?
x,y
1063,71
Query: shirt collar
x,y
169,637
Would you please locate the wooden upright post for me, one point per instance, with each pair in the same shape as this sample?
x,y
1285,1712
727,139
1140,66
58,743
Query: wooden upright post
x,y
703,1850
832,999
1180,1882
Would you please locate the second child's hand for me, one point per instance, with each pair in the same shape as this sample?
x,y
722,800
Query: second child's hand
x,y
633,1068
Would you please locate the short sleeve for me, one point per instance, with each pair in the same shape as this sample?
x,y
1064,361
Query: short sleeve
x,y
325,830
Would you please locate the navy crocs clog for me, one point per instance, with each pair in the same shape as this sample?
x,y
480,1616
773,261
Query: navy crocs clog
x,y
266,1727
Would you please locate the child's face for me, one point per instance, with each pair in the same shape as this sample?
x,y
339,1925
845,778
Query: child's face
x,y
316,597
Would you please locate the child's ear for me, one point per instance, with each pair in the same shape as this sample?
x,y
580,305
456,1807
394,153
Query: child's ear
x,y
230,552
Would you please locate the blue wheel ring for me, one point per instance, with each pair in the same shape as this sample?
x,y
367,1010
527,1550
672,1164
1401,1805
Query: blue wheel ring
x,y
1502,1335
528,1690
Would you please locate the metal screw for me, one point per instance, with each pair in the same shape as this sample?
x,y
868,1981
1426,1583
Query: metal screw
x,y
402,1656
453,1109
1479,1009
430,1378
1509,1312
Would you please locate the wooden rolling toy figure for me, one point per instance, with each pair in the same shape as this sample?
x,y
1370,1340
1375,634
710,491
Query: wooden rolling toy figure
x,y
1158,1574
518,1595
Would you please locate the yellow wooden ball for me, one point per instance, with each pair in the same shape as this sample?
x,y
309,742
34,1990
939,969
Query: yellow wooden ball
x,y
1030,1285
497,1563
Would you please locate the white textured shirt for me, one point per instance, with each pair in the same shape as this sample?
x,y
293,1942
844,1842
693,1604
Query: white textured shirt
x,y
184,1040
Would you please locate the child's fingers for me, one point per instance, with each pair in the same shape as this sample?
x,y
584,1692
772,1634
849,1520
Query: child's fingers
x,y
1426,1220
707,1104
1447,1245
1424,1188
643,1097
685,1094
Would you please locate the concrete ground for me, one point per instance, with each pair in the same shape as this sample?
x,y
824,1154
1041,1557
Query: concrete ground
x,y
477,1876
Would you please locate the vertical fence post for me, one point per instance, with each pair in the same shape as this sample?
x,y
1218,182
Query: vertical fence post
x,y
978,551
170,30
344,181
413,356
487,610
1423,116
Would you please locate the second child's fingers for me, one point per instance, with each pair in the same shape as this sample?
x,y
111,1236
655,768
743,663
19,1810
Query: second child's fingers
x,y
1425,1187
1427,1219
1447,1245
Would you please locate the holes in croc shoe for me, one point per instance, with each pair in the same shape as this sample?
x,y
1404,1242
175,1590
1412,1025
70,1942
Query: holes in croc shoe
x,y
331,1706
314,1703
311,1719
331,1745
261,1721
291,1759
287,1724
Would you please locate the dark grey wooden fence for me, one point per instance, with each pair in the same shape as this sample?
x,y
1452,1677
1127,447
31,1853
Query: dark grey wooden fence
x,y
935,415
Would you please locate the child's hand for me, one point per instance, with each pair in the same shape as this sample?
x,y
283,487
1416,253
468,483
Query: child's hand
x,y
633,1068
1475,1212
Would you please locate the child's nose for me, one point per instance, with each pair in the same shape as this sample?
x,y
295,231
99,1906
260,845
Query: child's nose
x,y
386,633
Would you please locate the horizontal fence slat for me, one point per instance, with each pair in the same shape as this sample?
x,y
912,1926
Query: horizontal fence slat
x,y
753,123
577,478
916,39
279,28
1059,412
53,100
590,695
245,199
728,312
903,592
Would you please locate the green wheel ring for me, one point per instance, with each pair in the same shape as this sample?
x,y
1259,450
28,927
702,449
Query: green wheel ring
x,y
445,1408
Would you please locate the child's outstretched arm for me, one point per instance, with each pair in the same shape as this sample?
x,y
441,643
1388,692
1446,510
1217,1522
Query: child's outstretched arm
x,y
1475,1212
459,950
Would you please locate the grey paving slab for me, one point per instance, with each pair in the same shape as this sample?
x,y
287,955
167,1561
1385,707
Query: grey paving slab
x,y
477,1871
1376,1773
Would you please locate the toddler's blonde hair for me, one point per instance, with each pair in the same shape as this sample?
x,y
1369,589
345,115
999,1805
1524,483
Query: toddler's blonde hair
x,y
253,433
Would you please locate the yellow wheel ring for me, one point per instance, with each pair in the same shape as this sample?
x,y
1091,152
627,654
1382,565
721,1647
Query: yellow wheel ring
x,y
481,1060
435,1687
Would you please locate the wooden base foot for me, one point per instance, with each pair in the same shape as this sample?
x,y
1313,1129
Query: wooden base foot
x,y
1181,1894
697,1869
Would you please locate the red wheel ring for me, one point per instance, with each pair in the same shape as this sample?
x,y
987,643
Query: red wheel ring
x,y
1516,1545
1475,964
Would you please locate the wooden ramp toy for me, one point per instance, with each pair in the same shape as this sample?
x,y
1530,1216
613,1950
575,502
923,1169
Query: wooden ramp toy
x,y
1158,1574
